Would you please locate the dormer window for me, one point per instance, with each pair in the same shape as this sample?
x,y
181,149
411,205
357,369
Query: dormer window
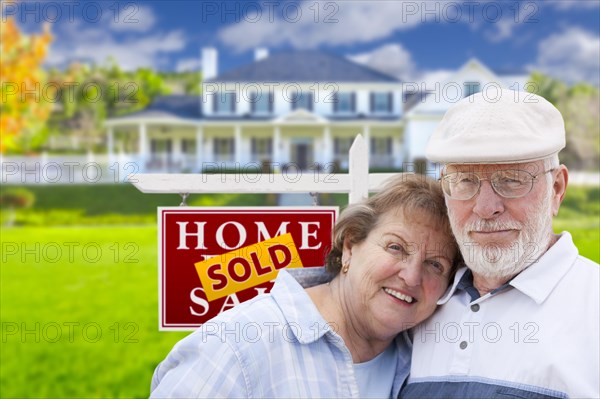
x,y
302,100
224,103
472,88
344,103
261,102
381,103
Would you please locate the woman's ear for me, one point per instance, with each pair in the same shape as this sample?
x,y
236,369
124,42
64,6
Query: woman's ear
x,y
347,250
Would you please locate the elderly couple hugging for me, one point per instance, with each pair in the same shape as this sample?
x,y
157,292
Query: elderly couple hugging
x,y
518,307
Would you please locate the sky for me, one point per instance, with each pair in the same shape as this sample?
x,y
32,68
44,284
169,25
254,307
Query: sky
x,y
412,40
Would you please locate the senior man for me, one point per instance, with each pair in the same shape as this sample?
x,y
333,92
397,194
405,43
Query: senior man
x,y
522,319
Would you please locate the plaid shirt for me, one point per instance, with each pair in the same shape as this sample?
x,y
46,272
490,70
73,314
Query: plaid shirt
x,y
275,345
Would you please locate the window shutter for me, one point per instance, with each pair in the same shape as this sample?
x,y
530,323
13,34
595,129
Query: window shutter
x,y
389,145
372,102
310,101
353,102
271,99
253,100
253,141
390,102
335,102
215,104
232,103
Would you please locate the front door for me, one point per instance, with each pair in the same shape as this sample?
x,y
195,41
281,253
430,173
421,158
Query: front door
x,y
302,155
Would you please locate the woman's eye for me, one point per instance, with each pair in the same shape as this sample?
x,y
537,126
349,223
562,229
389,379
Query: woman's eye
x,y
437,266
396,248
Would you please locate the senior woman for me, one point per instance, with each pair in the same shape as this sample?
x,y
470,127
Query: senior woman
x,y
392,258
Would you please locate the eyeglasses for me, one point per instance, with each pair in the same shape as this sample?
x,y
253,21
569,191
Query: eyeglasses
x,y
510,183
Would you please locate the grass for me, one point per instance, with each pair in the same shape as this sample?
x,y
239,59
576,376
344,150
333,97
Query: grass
x,y
105,291
114,290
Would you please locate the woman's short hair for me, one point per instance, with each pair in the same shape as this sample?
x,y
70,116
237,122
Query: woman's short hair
x,y
409,193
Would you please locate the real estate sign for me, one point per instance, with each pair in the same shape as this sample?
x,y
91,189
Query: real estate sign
x,y
214,258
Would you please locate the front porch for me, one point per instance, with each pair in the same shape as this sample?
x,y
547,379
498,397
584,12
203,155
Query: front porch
x,y
194,146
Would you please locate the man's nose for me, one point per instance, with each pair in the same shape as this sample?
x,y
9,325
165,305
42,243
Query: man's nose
x,y
488,203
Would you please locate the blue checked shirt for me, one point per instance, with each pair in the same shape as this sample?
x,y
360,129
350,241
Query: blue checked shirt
x,y
275,345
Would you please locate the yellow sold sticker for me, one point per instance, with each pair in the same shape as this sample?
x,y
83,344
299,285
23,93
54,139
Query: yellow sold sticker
x,y
247,267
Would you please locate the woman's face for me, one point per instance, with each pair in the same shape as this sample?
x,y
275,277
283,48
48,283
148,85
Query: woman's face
x,y
397,274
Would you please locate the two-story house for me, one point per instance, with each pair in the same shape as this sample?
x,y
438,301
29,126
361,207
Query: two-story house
x,y
298,109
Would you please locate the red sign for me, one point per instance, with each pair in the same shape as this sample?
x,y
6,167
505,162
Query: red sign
x,y
228,254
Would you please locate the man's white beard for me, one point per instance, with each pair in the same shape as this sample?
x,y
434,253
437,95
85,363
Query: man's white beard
x,y
502,262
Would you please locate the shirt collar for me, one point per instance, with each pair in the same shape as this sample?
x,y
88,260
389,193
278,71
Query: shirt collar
x,y
306,323
540,278
450,291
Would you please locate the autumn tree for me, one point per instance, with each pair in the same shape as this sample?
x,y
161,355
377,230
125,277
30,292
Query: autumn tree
x,y
23,108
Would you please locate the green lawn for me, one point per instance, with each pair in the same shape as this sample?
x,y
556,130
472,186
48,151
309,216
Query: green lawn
x,y
88,280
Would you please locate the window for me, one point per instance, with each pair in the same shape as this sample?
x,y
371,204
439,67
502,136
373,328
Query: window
x,y
302,100
472,88
261,147
344,103
223,148
381,146
262,102
341,146
224,103
159,146
381,103
188,146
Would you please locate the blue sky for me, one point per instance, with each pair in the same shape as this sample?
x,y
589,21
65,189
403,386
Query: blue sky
x,y
413,40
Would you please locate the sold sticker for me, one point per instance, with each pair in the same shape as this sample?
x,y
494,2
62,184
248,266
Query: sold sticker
x,y
247,267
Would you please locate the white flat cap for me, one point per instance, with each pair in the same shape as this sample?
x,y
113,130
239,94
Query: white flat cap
x,y
502,126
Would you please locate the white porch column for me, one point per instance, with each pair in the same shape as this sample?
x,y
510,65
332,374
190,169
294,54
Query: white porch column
x,y
110,144
327,146
276,145
199,148
143,147
238,144
367,136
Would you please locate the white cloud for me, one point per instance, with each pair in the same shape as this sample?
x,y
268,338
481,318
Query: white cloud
x,y
131,17
188,64
502,30
77,41
355,22
429,79
392,59
335,23
572,55
574,4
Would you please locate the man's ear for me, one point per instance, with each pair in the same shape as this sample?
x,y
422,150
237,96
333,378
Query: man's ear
x,y
559,188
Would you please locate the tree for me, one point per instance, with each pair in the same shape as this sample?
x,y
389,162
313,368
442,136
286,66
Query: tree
x,y
90,94
580,107
23,108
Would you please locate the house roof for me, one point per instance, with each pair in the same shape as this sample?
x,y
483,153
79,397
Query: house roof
x,y
304,66
170,107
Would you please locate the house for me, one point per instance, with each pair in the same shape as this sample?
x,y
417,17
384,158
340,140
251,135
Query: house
x,y
297,108
300,108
